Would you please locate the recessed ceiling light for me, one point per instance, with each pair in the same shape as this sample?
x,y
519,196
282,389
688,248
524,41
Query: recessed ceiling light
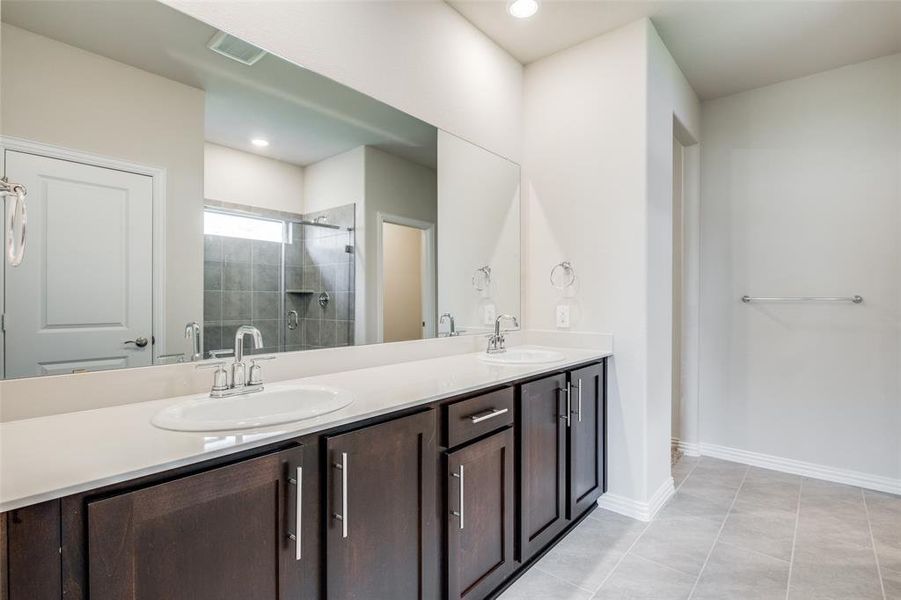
x,y
522,9
259,142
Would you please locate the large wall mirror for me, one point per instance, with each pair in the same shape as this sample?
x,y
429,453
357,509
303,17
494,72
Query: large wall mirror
x,y
182,182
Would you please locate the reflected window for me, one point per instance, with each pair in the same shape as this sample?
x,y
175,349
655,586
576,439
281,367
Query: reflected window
x,y
240,226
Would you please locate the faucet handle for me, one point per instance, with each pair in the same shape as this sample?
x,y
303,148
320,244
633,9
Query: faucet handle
x,y
255,377
220,377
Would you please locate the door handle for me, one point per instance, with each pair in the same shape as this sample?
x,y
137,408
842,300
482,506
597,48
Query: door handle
x,y
462,512
140,342
15,250
297,480
569,404
342,466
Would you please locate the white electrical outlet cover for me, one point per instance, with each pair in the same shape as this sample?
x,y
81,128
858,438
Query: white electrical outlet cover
x,y
563,316
490,314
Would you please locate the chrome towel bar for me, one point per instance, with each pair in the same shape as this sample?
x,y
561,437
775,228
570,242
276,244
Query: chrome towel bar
x,y
852,299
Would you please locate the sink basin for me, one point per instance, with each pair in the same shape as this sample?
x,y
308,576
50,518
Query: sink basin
x,y
522,356
274,405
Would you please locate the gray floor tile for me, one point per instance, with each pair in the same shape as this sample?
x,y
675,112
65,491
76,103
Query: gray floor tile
x,y
770,532
891,581
683,468
640,579
833,578
770,476
681,543
685,504
734,573
884,511
538,585
764,491
714,483
828,494
589,553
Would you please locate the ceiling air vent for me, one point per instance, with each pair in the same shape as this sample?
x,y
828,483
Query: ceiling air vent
x,y
235,48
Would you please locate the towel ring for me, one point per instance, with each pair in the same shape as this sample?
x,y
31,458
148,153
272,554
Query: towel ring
x,y
563,275
481,279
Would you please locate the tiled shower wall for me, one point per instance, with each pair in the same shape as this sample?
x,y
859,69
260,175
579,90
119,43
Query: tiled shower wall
x,y
243,285
241,282
320,263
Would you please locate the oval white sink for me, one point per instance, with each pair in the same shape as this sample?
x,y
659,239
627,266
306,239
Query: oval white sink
x,y
275,405
522,356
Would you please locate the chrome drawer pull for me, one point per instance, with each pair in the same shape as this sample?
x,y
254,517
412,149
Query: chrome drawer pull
x,y
298,513
461,514
489,414
580,400
343,516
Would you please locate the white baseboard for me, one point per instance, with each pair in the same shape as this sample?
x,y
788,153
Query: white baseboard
x,y
806,469
687,448
643,511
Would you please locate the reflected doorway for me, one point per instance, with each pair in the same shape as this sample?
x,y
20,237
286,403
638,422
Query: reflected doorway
x,y
406,279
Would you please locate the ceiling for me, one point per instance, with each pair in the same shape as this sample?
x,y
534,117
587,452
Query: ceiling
x,y
723,47
306,117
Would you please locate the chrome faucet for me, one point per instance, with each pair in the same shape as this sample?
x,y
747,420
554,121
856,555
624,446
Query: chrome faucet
x,y
497,342
453,329
239,370
243,381
192,332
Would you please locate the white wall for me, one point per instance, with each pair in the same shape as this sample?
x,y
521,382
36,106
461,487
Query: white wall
x,y
598,184
240,177
677,290
421,57
479,216
670,100
801,195
61,95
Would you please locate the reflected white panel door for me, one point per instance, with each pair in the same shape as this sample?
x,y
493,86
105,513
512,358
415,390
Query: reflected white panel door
x,y
84,288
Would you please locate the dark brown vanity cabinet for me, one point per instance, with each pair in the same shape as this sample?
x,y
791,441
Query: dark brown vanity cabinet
x,y
480,516
562,449
366,511
225,534
541,429
381,503
586,438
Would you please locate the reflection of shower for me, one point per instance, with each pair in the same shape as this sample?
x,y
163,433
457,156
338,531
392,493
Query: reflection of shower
x,y
317,222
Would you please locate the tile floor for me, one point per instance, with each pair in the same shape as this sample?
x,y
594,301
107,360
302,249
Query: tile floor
x,y
731,532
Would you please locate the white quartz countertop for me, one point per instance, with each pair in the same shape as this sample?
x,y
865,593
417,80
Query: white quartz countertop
x,y
54,456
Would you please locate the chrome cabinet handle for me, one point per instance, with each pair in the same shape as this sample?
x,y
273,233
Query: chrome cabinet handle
x,y
461,514
140,342
297,480
569,404
342,466
489,414
579,413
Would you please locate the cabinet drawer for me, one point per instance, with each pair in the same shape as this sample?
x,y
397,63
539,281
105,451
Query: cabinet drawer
x,y
470,418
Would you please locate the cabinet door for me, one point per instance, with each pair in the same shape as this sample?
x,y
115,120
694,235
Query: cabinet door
x,y
480,516
542,463
586,439
218,535
382,542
